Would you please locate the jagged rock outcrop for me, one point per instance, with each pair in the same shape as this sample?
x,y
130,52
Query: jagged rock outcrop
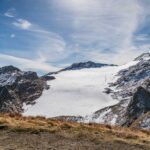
x,y
48,77
130,79
139,105
18,88
144,56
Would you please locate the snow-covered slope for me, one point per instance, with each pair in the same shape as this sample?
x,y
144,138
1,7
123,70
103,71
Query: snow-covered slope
x,y
132,89
76,92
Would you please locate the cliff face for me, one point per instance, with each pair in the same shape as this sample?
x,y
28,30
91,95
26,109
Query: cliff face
x,y
18,87
138,106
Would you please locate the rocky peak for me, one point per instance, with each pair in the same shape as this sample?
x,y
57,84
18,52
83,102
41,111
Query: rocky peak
x,y
30,75
8,69
144,56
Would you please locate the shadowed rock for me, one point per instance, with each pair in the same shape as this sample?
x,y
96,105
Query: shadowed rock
x,y
139,105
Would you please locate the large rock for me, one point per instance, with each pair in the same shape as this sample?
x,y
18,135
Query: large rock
x,y
139,105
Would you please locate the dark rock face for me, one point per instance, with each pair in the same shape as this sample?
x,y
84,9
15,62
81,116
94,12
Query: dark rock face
x,y
18,87
139,105
48,77
8,69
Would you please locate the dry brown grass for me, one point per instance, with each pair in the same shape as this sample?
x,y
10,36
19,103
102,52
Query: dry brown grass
x,y
91,131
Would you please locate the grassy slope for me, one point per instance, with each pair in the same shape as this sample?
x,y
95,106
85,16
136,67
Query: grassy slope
x,y
21,133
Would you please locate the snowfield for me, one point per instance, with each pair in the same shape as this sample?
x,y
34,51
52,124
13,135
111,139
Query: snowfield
x,y
78,92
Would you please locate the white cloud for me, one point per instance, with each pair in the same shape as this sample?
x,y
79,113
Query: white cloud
x,y
101,21
26,64
102,27
120,57
52,47
96,29
22,24
48,46
10,13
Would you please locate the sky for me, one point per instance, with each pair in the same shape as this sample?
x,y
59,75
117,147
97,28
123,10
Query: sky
x,y
45,35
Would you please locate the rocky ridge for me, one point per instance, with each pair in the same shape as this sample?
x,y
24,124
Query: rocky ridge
x,y
79,66
132,90
17,88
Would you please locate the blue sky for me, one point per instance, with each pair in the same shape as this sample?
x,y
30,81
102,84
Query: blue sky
x,y
43,35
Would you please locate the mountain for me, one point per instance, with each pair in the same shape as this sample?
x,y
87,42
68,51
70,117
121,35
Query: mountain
x,y
79,66
83,65
18,88
127,86
76,92
132,90
83,92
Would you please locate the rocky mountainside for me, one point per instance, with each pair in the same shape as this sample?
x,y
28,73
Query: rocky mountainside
x,y
18,88
132,90
143,56
127,86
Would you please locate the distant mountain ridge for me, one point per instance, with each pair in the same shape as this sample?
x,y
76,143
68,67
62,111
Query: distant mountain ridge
x,y
79,66
88,64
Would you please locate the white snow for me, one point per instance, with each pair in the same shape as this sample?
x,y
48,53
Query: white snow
x,y
7,79
113,121
100,118
78,92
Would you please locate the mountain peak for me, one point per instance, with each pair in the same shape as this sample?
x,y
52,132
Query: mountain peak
x,y
9,69
88,64
144,56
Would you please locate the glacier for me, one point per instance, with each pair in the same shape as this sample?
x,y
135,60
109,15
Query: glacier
x,y
76,92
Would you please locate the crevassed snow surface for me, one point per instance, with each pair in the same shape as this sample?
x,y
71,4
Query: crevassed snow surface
x,y
78,92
